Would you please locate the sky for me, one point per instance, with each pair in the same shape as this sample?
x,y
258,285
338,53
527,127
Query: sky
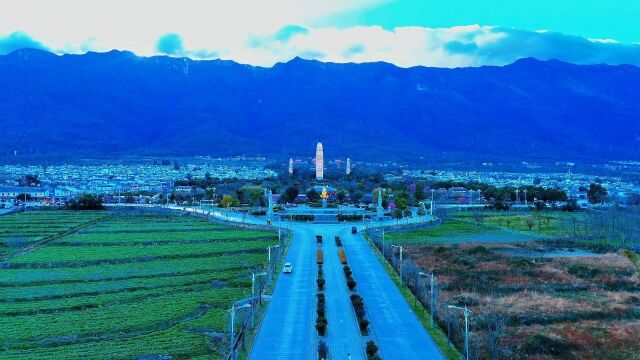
x,y
451,33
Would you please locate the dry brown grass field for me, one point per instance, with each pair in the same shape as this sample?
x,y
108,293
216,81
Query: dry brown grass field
x,y
537,307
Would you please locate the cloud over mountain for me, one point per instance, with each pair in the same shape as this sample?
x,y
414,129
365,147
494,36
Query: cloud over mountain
x,y
460,46
18,40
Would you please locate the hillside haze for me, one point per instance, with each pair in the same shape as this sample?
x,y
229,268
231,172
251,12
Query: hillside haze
x,y
109,104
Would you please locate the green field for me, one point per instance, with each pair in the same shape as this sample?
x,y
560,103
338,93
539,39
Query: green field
x,y
543,223
459,231
489,226
23,229
123,286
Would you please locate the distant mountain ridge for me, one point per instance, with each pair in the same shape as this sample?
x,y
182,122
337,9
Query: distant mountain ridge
x,y
108,104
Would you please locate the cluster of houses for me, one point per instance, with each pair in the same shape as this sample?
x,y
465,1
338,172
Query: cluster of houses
x,y
10,195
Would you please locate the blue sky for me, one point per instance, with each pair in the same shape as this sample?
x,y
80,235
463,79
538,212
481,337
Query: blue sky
x,y
603,19
452,33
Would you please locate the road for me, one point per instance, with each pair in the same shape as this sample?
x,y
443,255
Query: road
x,y
288,328
399,333
343,337
288,331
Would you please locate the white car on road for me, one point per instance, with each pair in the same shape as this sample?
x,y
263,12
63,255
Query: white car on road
x,y
287,268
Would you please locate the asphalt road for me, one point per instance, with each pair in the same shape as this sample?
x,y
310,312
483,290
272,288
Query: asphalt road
x,y
288,328
343,336
399,333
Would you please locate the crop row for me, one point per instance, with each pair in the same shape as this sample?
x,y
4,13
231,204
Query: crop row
x,y
131,295
68,290
93,253
173,342
43,295
10,277
139,317
160,236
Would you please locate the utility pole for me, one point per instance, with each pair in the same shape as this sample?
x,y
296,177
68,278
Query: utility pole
x,y
233,319
433,191
432,278
269,270
525,197
253,292
383,242
399,247
466,313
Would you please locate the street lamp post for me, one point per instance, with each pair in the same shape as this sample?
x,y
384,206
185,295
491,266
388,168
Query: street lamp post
x,y
433,192
432,278
253,292
269,268
383,242
399,247
233,319
253,282
465,310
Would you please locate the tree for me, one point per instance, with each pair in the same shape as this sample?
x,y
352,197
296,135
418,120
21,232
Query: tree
x,y
571,205
421,211
397,214
401,203
228,201
540,205
290,194
341,196
312,195
420,194
23,197
356,196
29,181
85,202
596,193
210,193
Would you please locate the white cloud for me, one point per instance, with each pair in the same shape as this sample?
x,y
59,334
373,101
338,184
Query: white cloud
x,y
261,33
136,24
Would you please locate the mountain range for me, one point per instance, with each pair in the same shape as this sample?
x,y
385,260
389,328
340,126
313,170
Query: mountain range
x,y
116,103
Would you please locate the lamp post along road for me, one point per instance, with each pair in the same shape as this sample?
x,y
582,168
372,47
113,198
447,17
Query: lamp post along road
x,y
465,310
432,280
399,247
432,201
270,270
383,242
253,292
233,319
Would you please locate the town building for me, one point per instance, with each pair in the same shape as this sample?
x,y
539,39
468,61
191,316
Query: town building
x,y
15,192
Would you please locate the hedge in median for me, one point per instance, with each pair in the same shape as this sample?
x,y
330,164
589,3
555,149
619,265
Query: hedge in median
x,y
323,350
321,320
347,270
372,350
343,256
